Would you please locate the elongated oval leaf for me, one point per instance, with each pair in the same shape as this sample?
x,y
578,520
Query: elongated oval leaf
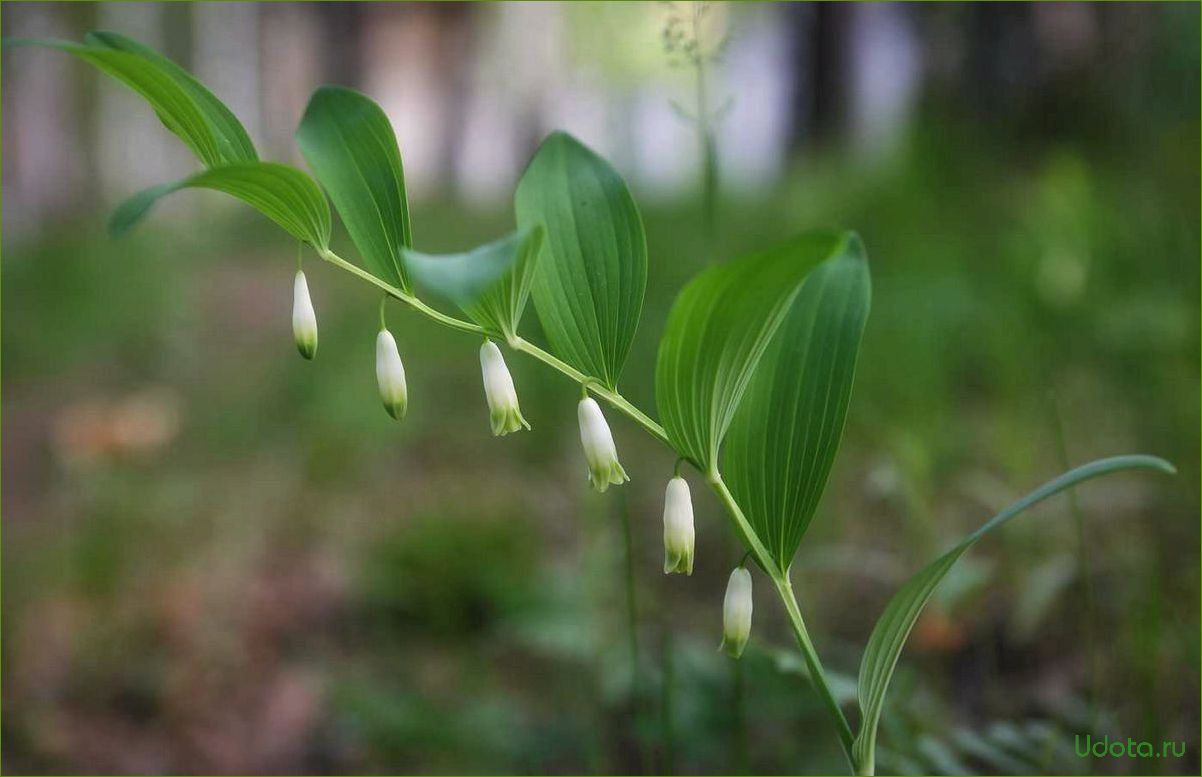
x,y
184,106
349,143
717,331
784,436
284,194
235,144
589,282
891,630
490,283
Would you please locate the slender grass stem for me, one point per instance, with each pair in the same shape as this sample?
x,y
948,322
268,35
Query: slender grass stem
x,y
739,717
709,157
1084,570
632,631
667,689
631,599
785,589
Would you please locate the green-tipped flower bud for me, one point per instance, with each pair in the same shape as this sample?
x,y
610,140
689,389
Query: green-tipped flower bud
x,y
678,527
503,410
736,613
304,320
390,375
599,450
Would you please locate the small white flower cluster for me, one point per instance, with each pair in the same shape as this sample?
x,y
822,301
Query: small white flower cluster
x,y
504,413
679,531
604,469
678,557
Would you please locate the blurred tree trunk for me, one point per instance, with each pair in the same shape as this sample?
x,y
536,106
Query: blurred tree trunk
x,y
830,63
132,149
821,60
289,73
456,35
46,96
1002,57
341,26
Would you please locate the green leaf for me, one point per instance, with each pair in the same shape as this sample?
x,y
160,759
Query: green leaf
x,y
284,194
349,143
889,636
184,106
718,329
490,283
235,144
785,433
589,282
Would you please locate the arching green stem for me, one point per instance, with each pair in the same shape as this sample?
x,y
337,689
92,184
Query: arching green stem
x,y
403,296
518,344
755,547
814,665
612,397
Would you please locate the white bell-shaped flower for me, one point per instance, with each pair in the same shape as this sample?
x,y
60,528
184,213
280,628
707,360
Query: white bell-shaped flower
x,y
599,450
736,613
678,527
304,319
503,411
390,375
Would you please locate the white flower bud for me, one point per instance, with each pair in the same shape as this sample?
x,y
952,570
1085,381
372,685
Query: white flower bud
x,y
503,410
678,527
599,450
304,320
390,375
736,613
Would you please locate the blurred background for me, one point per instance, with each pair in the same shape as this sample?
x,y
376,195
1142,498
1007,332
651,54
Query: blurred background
x,y
219,558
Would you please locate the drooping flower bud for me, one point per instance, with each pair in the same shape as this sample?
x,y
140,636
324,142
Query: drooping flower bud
x,y
304,320
390,375
678,527
503,410
736,613
599,450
